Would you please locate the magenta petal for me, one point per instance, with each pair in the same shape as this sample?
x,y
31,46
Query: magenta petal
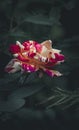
x,y
31,55
32,68
22,59
29,68
38,47
52,72
59,57
49,72
24,67
14,49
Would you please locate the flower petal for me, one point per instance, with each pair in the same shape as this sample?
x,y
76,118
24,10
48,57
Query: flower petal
x,y
47,44
56,50
31,56
14,49
38,47
52,72
29,68
59,57
19,44
13,66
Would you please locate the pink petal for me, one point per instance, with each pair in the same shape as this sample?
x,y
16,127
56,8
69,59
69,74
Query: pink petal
x,y
52,73
38,47
29,68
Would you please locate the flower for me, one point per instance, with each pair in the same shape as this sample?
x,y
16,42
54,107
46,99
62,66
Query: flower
x,y
31,56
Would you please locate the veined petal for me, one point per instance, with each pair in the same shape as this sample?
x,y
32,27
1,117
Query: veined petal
x,y
13,66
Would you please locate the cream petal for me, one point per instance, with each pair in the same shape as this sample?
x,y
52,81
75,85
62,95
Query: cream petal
x,y
47,44
31,41
56,50
44,51
15,55
57,73
52,55
13,66
19,44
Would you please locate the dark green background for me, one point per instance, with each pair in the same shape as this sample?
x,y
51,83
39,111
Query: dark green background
x,y
19,98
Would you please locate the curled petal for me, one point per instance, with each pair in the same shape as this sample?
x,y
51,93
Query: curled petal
x,y
13,66
19,44
47,44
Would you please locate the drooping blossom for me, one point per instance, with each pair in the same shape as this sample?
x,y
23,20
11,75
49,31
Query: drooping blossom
x,y
31,56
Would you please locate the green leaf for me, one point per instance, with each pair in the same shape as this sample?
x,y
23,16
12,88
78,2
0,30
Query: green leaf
x,y
15,99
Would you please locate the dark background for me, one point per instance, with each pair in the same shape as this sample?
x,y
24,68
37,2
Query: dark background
x,y
39,20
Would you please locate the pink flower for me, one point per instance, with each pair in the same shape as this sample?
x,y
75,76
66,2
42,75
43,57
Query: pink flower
x,y
31,56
